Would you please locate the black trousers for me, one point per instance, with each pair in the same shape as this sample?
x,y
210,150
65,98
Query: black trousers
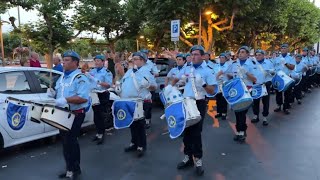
x,y
222,104
192,135
138,133
297,91
101,112
241,117
287,98
265,102
147,107
70,144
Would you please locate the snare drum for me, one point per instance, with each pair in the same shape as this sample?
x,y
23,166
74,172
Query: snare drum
x,y
281,81
258,91
237,94
191,110
58,117
94,98
127,110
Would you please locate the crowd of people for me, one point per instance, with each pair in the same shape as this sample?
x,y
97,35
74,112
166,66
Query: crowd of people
x,y
201,78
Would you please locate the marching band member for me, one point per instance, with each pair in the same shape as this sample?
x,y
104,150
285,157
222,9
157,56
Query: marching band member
x,y
222,104
316,63
181,60
307,78
201,83
267,69
142,72
208,60
285,63
101,78
300,69
242,67
229,57
189,59
71,89
148,103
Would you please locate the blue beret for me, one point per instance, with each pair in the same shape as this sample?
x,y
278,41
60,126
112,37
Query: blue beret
x,y
180,55
146,51
305,49
260,51
141,55
101,57
284,46
188,54
71,54
223,55
299,56
197,47
246,48
228,53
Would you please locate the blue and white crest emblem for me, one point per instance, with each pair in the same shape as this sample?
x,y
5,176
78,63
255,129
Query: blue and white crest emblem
x,y
233,92
121,114
172,121
15,119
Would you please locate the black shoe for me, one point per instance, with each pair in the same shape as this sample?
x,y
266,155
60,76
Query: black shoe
x,y
140,152
218,115
286,111
183,165
95,138
199,170
299,101
239,138
130,148
224,117
74,176
255,120
309,91
100,140
278,109
265,123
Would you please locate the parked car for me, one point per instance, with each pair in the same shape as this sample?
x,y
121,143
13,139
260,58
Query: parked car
x,y
164,65
28,84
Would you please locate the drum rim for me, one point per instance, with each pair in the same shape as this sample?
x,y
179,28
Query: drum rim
x,y
52,123
15,99
57,107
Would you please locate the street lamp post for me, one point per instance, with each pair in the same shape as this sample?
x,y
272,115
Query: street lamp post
x,y
1,37
141,37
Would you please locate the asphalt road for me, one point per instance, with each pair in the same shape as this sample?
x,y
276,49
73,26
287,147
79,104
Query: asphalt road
x,y
288,149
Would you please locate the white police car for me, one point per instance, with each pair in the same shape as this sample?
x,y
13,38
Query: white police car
x,y
28,84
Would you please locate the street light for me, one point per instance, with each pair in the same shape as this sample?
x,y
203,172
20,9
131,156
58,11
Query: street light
x,y
2,48
141,37
200,23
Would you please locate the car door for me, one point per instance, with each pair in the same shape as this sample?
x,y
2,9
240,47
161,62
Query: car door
x,y
17,84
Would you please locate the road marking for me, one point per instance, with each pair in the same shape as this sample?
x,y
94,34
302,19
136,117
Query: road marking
x,y
211,112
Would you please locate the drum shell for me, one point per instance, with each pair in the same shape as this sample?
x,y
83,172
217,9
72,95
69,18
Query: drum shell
x,y
36,111
191,111
138,113
57,117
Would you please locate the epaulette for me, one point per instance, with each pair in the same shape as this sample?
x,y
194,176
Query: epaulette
x,y
234,62
151,72
209,67
253,62
108,70
78,76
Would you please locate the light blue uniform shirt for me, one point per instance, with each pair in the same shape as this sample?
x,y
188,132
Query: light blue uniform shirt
x,y
74,85
307,60
130,89
174,72
207,76
267,67
223,67
152,67
299,67
278,66
103,75
315,60
249,67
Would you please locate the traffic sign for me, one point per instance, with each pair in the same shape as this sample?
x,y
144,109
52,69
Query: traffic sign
x,y
175,30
